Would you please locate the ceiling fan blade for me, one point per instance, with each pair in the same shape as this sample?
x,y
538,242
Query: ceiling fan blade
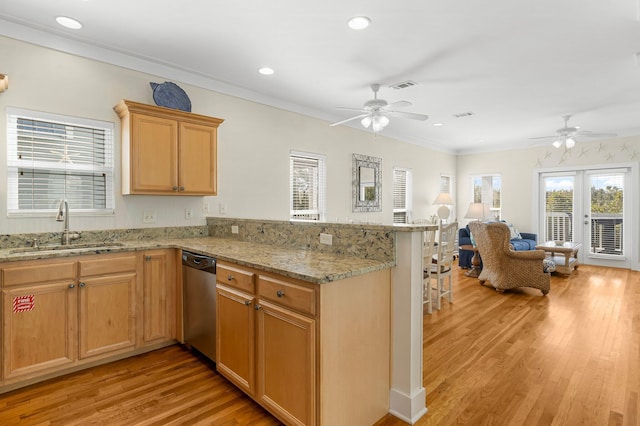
x,y
352,109
595,135
399,104
349,119
546,137
411,115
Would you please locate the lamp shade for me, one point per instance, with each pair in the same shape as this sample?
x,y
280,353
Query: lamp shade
x,y
477,211
443,198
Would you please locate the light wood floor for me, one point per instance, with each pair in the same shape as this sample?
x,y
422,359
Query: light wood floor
x,y
518,358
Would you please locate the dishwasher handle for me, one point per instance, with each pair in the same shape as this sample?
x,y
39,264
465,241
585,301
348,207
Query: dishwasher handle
x,y
199,261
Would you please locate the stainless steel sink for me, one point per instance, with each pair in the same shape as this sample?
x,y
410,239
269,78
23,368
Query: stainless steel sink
x,y
58,247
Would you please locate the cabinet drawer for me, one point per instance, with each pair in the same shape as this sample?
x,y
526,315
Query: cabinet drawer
x,y
235,277
38,273
287,294
108,265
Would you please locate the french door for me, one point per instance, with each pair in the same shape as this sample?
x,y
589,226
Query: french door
x,y
590,206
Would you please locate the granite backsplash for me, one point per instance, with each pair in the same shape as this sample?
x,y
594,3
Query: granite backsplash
x,y
366,241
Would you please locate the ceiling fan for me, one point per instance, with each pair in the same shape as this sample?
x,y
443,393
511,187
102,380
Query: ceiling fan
x,y
376,112
566,135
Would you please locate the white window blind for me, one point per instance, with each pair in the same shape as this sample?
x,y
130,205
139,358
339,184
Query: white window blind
x,y
559,194
308,180
401,198
52,157
487,190
445,184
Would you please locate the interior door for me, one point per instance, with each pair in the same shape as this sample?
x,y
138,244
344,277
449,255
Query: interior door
x,y
588,206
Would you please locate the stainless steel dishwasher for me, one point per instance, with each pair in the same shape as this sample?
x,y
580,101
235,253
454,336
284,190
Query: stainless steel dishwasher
x,y
199,280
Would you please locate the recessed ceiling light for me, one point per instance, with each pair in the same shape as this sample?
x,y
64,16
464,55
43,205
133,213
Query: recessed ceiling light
x,y
67,22
359,22
438,124
266,71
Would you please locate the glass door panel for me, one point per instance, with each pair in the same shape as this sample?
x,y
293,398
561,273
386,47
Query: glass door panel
x,y
606,215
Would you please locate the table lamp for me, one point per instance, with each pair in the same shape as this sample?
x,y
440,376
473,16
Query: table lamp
x,y
478,211
444,199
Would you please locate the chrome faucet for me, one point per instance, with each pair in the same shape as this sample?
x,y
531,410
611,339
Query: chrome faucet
x,y
63,215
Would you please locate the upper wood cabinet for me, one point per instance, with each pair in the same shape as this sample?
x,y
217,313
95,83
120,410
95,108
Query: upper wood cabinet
x,y
167,151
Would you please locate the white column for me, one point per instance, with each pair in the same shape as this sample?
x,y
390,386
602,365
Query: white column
x,y
408,396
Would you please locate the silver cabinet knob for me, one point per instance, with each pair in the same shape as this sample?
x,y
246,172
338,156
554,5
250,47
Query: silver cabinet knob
x,y
182,188
258,307
229,277
82,285
280,293
72,286
247,302
175,188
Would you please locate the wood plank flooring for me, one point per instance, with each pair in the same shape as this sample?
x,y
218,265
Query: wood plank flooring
x,y
518,358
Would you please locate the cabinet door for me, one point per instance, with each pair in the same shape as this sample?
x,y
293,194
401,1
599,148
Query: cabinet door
x,y
154,155
286,364
158,286
38,328
235,334
198,159
107,314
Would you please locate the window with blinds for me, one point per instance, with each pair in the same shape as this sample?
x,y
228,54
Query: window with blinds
x,y
308,181
486,190
401,195
558,214
52,157
445,184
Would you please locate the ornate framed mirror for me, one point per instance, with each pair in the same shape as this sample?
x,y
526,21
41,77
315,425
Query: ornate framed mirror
x,y
367,183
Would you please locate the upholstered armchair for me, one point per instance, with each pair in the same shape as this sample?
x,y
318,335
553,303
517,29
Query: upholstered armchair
x,y
503,267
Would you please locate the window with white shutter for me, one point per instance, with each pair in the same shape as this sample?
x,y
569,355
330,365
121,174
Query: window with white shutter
x,y
401,195
307,186
487,190
52,157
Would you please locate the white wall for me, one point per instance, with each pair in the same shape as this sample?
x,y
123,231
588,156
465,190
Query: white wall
x,y
253,146
518,168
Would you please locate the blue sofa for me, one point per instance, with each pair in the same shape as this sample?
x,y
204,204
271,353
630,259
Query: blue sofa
x,y
527,242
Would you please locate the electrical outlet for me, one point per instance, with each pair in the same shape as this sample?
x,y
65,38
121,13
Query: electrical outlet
x,y
205,209
234,229
188,213
150,217
223,208
326,239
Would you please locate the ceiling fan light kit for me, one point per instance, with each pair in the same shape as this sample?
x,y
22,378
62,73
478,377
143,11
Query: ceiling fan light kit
x,y
375,112
566,135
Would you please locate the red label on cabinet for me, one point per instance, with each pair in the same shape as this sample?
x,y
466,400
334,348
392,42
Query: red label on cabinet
x,y
24,303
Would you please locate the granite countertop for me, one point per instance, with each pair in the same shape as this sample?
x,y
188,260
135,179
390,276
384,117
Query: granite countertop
x,y
307,265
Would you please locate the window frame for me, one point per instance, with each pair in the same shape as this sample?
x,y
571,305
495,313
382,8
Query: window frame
x,y
14,164
492,209
407,210
320,189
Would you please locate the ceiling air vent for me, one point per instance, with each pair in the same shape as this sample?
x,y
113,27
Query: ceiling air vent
x,y
463,114
403,85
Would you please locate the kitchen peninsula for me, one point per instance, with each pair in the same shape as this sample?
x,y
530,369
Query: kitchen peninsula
x,y
350,288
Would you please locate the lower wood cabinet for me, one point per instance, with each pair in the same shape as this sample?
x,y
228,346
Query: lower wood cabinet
x,y
286,361
107,315
59,314
158,296
38,331
309,354
235,337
